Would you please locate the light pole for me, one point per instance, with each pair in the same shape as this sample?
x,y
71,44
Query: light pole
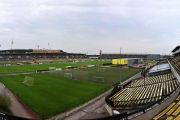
x,y
120,51
49,45
12,44
144,75
120,66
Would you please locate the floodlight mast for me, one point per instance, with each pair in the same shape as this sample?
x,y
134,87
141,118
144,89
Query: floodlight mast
x,y
120,67
12,44
144,75
49,45
120,50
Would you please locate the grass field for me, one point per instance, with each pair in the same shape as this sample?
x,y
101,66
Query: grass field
x,y
53,93
32,68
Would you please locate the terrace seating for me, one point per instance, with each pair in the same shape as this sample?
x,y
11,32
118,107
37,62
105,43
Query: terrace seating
x,y
176,63
143,92
172,112
152,80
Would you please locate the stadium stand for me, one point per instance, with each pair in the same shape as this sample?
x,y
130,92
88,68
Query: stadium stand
x,y
116,56
176,50
156,96
172,112
143,92
16,54
176,63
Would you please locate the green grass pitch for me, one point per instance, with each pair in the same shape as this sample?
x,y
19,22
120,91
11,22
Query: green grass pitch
x,y
52,93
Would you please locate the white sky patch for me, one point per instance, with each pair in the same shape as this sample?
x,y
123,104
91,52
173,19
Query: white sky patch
x,y
90,25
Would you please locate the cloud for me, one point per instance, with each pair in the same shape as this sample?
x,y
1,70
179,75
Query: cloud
x,y
89,25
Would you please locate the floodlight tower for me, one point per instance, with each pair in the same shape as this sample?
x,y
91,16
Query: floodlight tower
x,y
49,45
120,66
100,54
144,75
12,44
120,51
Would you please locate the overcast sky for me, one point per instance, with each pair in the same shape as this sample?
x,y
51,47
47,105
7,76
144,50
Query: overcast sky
x,y
136,26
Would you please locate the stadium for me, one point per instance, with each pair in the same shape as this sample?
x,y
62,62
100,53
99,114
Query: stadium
x,y
89,60
137,88
31,81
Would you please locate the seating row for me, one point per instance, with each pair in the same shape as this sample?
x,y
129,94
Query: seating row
x,y
172,112
138,93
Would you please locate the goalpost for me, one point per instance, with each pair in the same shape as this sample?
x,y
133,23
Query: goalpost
x,y
68,75
98,79
29,81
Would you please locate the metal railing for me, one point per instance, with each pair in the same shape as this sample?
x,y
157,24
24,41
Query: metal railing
x,y
11,117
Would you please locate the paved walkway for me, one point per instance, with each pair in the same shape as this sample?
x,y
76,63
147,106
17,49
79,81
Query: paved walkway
x,y
17,108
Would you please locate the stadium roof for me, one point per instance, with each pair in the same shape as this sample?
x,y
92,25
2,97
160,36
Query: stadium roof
x,y
176,50
159,68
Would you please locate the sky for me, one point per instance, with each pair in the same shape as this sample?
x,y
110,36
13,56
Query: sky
x,y
88,26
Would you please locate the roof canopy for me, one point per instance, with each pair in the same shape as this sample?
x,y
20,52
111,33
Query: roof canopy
x,y
176,50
